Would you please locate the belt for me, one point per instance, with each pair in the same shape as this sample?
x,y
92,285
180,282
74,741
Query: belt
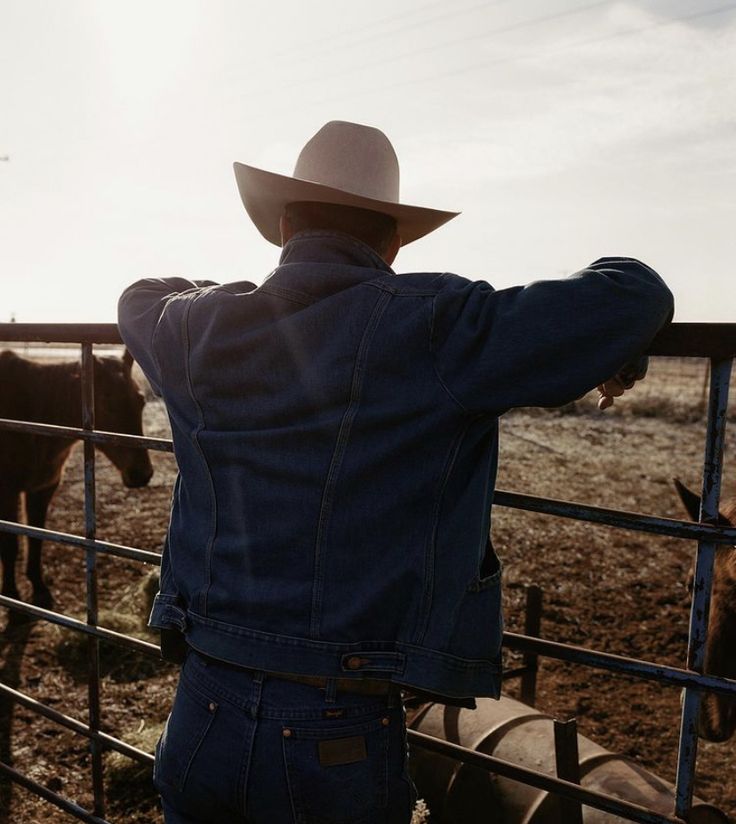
x,y
364,686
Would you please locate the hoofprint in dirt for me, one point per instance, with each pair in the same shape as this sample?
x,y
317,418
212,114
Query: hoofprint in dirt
x,y
608,589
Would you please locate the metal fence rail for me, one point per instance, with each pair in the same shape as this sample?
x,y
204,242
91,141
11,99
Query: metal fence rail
x,y
714,341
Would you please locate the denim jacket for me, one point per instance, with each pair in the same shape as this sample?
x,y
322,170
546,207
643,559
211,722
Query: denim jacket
x,y
335,431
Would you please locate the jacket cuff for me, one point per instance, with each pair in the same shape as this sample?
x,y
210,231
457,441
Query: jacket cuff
x,y
167,613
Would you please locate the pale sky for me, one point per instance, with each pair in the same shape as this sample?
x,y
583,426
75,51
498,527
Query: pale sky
x,y
564,130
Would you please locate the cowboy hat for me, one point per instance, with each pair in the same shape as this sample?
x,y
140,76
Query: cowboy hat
x,y
346,164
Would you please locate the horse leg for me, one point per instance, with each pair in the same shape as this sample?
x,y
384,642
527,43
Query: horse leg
x,y
37,504
9,505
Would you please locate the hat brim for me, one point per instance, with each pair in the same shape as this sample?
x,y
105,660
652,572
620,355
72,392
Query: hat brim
x,y
265,195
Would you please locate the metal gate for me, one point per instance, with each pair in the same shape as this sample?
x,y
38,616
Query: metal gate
x,y
714,341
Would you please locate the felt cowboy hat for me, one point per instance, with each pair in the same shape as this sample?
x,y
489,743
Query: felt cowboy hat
x,y
346,164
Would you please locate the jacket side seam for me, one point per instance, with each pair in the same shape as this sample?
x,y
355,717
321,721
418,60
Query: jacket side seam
x,y
336,462
195,440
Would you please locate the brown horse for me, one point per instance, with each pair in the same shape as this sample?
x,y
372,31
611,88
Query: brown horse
x,y
32,464
717,720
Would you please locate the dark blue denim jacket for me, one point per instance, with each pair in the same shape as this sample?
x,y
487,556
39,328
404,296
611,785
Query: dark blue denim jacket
x,y
336,436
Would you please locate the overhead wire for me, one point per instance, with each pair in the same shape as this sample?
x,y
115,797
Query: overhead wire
x,y
382,21
352,42
541,55
519,25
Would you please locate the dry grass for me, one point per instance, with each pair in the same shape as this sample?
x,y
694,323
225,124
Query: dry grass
x,y
128,616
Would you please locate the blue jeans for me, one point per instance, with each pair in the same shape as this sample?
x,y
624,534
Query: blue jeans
x,y
242,747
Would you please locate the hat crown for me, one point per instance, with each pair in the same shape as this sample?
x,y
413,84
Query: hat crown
x,y
351,157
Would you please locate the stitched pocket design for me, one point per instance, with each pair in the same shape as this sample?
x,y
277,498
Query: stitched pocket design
x,y
337,773
186,728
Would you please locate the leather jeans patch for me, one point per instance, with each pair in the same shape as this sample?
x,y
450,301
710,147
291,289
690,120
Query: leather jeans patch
x,y
342,751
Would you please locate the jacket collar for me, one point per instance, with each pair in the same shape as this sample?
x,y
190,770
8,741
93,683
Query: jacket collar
x,y
316,264
319,246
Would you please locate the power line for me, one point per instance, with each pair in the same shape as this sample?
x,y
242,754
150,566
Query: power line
x,y
522,24
657,24
536,56
382,22
457,12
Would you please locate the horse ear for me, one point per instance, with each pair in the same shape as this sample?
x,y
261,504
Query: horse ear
x,y
127,359
691,502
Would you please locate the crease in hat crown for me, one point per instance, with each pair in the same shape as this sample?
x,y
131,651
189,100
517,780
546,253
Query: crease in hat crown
x,y
346,164
352,157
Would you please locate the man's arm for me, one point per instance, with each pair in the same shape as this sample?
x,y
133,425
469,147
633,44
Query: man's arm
x,y
140,309
547,343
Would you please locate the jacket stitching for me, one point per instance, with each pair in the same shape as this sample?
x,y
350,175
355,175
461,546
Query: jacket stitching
x,y
336,462
407,291
289,294
168,578
441,380
154,353
348,240
332,647
431,553
227,288
415,653
195,440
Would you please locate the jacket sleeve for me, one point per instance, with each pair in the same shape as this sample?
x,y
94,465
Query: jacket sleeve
x,y
140,310
547,343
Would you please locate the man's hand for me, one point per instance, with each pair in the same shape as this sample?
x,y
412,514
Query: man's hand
x,y
609,390
623,380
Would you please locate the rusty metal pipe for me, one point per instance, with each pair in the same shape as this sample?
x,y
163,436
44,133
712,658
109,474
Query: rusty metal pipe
x,y
616,518
102,633
119,550
646,670
720,378
57,800
108,741
96,436
60,332
696,340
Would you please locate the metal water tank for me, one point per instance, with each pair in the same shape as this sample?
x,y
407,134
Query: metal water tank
x,y
457,793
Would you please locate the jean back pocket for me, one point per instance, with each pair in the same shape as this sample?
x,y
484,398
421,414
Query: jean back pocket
x,y
338,774
185,730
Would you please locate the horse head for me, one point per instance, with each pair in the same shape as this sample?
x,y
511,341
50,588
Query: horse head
x,y
119,406
717,721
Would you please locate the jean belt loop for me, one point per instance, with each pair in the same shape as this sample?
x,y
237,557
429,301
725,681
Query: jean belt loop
x,y
256,690
394,697
331,691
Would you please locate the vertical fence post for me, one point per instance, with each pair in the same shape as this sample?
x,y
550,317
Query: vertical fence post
x,y
704,392
567,762
90,531
702,581
532,627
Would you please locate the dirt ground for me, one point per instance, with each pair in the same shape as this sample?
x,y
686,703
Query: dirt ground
x,y
608,589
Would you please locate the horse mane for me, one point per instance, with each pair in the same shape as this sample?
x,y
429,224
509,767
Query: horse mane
x,y
728,510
